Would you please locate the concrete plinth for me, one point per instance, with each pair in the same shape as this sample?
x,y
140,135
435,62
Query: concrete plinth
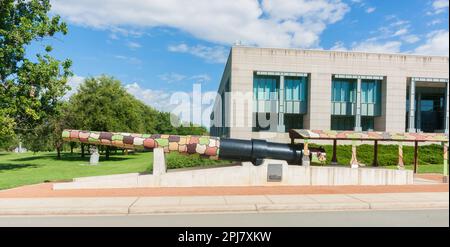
x,y
159,161
247,174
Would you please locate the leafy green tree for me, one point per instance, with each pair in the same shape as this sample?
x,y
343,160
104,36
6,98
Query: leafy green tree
x,y
192,130
30,90
103,104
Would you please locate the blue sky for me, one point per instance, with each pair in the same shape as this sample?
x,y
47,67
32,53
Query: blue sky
x,y
159,47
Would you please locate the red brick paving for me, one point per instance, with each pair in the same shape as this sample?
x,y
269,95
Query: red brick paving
x,y
45,190
431,176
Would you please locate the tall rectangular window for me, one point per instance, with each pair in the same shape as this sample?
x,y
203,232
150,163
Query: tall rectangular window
x,y
295,88
370,91
265,87
343,90
371,97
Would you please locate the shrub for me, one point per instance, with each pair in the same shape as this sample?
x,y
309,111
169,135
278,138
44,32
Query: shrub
x,y
387,154
177,160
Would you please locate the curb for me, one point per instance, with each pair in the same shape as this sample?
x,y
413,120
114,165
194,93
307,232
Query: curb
x,y
256,208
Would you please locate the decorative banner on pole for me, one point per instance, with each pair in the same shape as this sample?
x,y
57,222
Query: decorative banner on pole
x,y
305,158
401,164
354,162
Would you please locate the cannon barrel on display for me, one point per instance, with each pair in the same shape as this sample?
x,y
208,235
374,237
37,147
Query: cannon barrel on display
x,y
207,146
254,150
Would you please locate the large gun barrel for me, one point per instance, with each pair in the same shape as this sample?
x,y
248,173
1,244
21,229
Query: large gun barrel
x,y
207,146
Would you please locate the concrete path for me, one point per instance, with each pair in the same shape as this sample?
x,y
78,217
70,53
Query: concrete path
x,y
45,190
224,203
364,218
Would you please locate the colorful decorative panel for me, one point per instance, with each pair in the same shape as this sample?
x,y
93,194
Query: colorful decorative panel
x,y
367,135
203,145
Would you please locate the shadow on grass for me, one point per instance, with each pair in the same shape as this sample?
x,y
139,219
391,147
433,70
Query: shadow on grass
x,y
69,157
77,157
34,157
12,167
86,158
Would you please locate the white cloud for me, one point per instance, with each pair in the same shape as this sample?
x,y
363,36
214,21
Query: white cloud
x,y
400,32
370,46
161,100
439,6
410,38
176,77
113,36
157,99
370,9
280,23
399,23
74,82
133,45
201,78
213,54
396,28
437,44
172,77
388,38
130,60
434,22
338,46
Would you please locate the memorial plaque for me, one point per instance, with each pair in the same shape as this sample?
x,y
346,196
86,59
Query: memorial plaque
x,y
274,172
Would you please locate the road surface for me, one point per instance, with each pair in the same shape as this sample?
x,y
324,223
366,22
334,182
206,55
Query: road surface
x,y
309,219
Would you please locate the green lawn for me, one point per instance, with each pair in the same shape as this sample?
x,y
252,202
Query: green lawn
x,y
29,168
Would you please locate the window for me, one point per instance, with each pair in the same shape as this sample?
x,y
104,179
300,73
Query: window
x,y
265,87
295,88
371,97
293,121
342,122
367,123
370,91
343,90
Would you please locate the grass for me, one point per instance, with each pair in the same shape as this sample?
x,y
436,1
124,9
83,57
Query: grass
x,y
28,168
430,157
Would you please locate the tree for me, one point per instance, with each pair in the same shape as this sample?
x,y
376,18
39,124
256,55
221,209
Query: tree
x,y
30,91
103,104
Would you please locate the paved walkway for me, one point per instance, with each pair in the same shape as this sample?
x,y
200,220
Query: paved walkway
x,y
45,190
228,203
41,199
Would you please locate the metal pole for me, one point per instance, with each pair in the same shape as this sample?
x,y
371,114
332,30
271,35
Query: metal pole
x,y
416,154
358,106
334,159
412,104
281,98
375,154
446,117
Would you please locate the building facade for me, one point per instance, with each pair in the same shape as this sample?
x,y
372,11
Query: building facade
x,y
264,92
